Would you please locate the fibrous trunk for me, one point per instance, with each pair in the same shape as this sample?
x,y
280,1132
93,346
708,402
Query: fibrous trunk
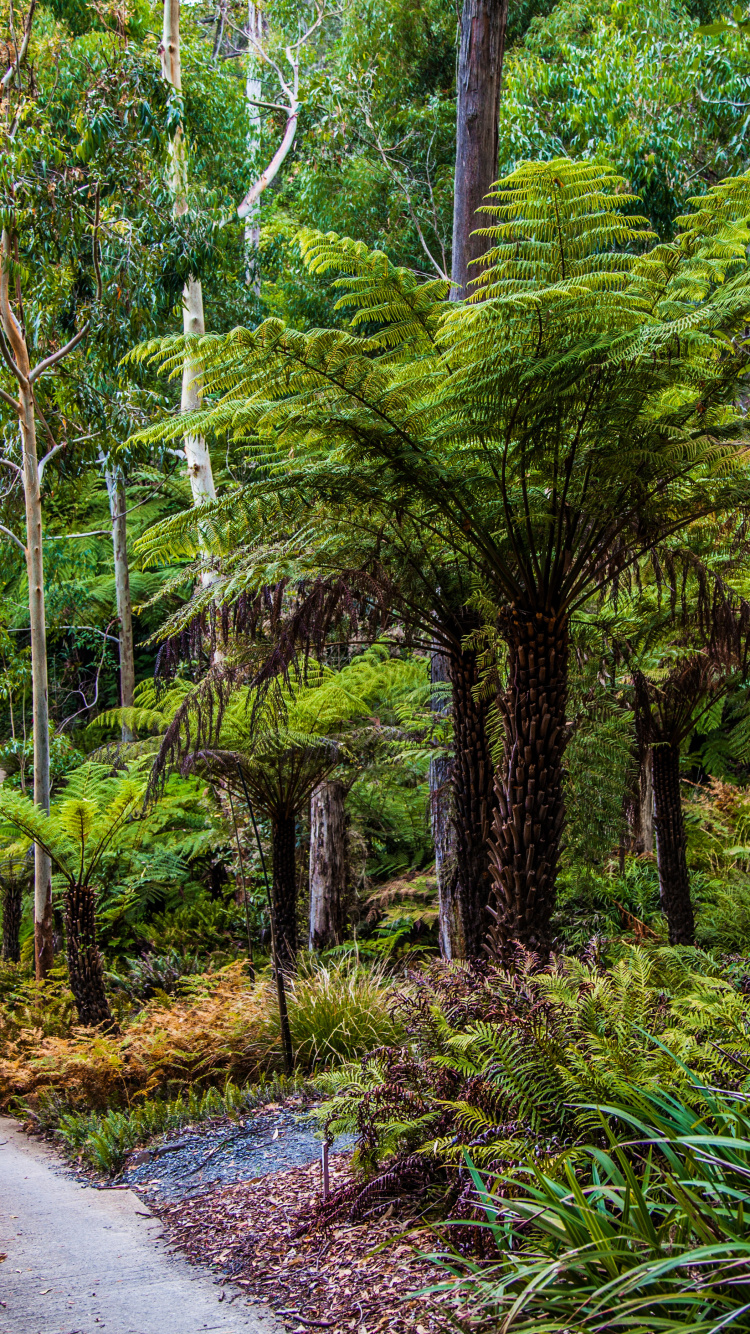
x,y
285,889
12,900
85,972
528,823
327,864
671,842
480,65
117,503
474,799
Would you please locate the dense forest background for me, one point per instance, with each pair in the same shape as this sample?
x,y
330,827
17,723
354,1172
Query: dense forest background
x,y
375,609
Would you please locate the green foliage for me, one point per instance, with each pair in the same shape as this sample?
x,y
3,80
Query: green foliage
x,y
493,1057
646,1234
105,1141
339,1010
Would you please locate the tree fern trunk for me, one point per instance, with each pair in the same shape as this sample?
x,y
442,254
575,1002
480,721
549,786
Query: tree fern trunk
x,y
284,889
528,823
474,800
327,864
674,881
443,826
12,900
85,971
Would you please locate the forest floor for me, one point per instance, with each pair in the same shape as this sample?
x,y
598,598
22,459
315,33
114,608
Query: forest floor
x,y
231,1196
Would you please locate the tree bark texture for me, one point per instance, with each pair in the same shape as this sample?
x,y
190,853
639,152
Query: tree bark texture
x,y
327,864
117,504
85,972
671,842
480,67
193,325
528,823
44,949
474,799
284,889
12,901
443,823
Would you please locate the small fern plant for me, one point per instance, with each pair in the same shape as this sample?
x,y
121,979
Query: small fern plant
x,y
82,826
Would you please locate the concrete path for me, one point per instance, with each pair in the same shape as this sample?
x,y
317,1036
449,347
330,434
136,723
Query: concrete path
x,y
79,1260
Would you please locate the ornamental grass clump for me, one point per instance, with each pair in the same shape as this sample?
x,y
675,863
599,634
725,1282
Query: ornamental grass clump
x,y
340,1011
645,1233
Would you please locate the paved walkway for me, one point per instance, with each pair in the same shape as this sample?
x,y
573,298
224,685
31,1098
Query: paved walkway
x,y
79,1260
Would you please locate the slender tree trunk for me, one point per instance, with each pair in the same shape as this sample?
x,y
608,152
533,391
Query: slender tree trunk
x,y
193,324
527,827
474,799
117,505
12,904
85,972
443,822
645,842
671,842
253,93
480,67
284,888
327,864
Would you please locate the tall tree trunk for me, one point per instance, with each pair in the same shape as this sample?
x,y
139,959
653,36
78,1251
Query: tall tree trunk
x,y
44,948
527,827
117,505
284,888
12,903
85,972
193,325
474,799
443,823
671,842
480,67
253,94
645,841
327,864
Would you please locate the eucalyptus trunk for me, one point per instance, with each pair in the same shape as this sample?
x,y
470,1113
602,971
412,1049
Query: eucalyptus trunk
x,y
480,67
284,889
528,822
327,864
671,844
44,949
193,325
117,504
85,972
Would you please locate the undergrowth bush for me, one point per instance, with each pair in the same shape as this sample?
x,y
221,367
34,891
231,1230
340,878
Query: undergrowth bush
x,y
222,1026
645,1233
494,1058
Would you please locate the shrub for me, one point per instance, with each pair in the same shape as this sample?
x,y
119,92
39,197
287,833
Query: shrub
x,y
648,1236
494,1058
340,1010
221,1027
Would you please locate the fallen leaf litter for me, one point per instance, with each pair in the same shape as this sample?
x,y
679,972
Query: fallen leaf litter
x,y
327,1279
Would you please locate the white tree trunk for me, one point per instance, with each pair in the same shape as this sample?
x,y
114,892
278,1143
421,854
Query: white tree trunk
x,y
253,92
327,864
196,453
43,923
117,505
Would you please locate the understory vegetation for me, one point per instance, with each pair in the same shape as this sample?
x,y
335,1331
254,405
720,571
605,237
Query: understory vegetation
x,y
375,617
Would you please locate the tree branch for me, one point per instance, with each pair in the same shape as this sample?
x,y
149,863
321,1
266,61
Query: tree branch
x,y
13,538
61,352
21,55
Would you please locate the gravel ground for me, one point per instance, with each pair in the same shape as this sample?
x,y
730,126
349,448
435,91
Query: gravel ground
x,y
222,1152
